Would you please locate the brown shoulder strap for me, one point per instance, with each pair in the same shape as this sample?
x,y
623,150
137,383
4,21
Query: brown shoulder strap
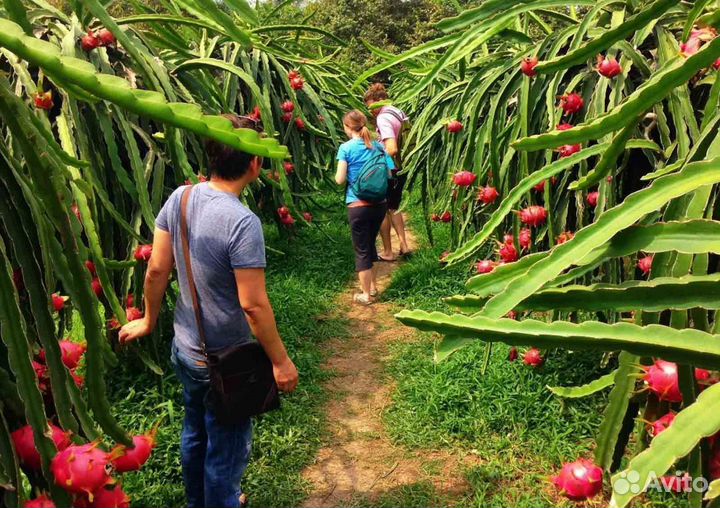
x,y
188,266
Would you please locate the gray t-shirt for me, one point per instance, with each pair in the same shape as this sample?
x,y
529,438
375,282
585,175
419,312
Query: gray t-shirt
x,y
223,235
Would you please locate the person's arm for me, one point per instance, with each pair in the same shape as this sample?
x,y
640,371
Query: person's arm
x,y
391,146
341,173
156,279
256,305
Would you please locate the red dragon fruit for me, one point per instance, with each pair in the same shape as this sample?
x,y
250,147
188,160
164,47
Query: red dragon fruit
x,y
533,215
72,353
697,37
300,123
58,302
464,178
571,103
288,106
488,195
568,150
662,379
579,480
256,115
97,287
44,100
41,372
24,443
527,66
283,211
662,424
485,266
287,117
525,238
446,216
289,168
297,83
564,237
563,126
508,253
89,41
130,300
541,186
133,313
435,217
511,314
287,220
292,74
592,198
42,501
307,216
110,496
608,67
645,264
132,459
77,378
454,126
513,355
143,252
533,357
106,37
91,267
81,469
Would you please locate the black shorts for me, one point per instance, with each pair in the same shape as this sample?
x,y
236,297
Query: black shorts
x,y
395,190
365,224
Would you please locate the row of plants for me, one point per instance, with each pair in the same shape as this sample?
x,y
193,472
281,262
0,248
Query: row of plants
x,y
102,116
580,143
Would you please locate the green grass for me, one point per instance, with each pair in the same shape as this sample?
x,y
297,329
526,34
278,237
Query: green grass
x,y
302,285
506,417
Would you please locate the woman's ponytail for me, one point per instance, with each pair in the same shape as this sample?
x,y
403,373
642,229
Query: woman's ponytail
x,y
365,133
356,121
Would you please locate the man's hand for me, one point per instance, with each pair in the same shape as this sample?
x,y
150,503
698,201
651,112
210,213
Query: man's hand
x,y
135,329
286,375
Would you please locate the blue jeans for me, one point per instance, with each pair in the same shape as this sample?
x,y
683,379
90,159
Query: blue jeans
x,y
214,457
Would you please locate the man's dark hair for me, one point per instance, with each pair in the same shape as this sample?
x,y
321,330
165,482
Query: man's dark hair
x,y
226,162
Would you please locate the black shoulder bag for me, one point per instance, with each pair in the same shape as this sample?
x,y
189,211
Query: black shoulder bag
x,y
242,383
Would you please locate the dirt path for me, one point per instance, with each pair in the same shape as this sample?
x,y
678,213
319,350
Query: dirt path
x,y
358,461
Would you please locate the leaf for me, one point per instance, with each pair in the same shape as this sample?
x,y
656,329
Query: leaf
x,y
684,346
652,295
647,14
521,189
142,102
635,206
695,422
448,346
616,409
576,392
677,72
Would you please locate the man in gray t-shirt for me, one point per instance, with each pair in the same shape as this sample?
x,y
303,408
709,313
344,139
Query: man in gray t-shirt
x,y
227,252
224,236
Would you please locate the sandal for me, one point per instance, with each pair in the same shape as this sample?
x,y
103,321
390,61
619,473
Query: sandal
x,y
380,258
362,299
373,292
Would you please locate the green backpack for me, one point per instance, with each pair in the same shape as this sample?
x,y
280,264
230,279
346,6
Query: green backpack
x,y
371,183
